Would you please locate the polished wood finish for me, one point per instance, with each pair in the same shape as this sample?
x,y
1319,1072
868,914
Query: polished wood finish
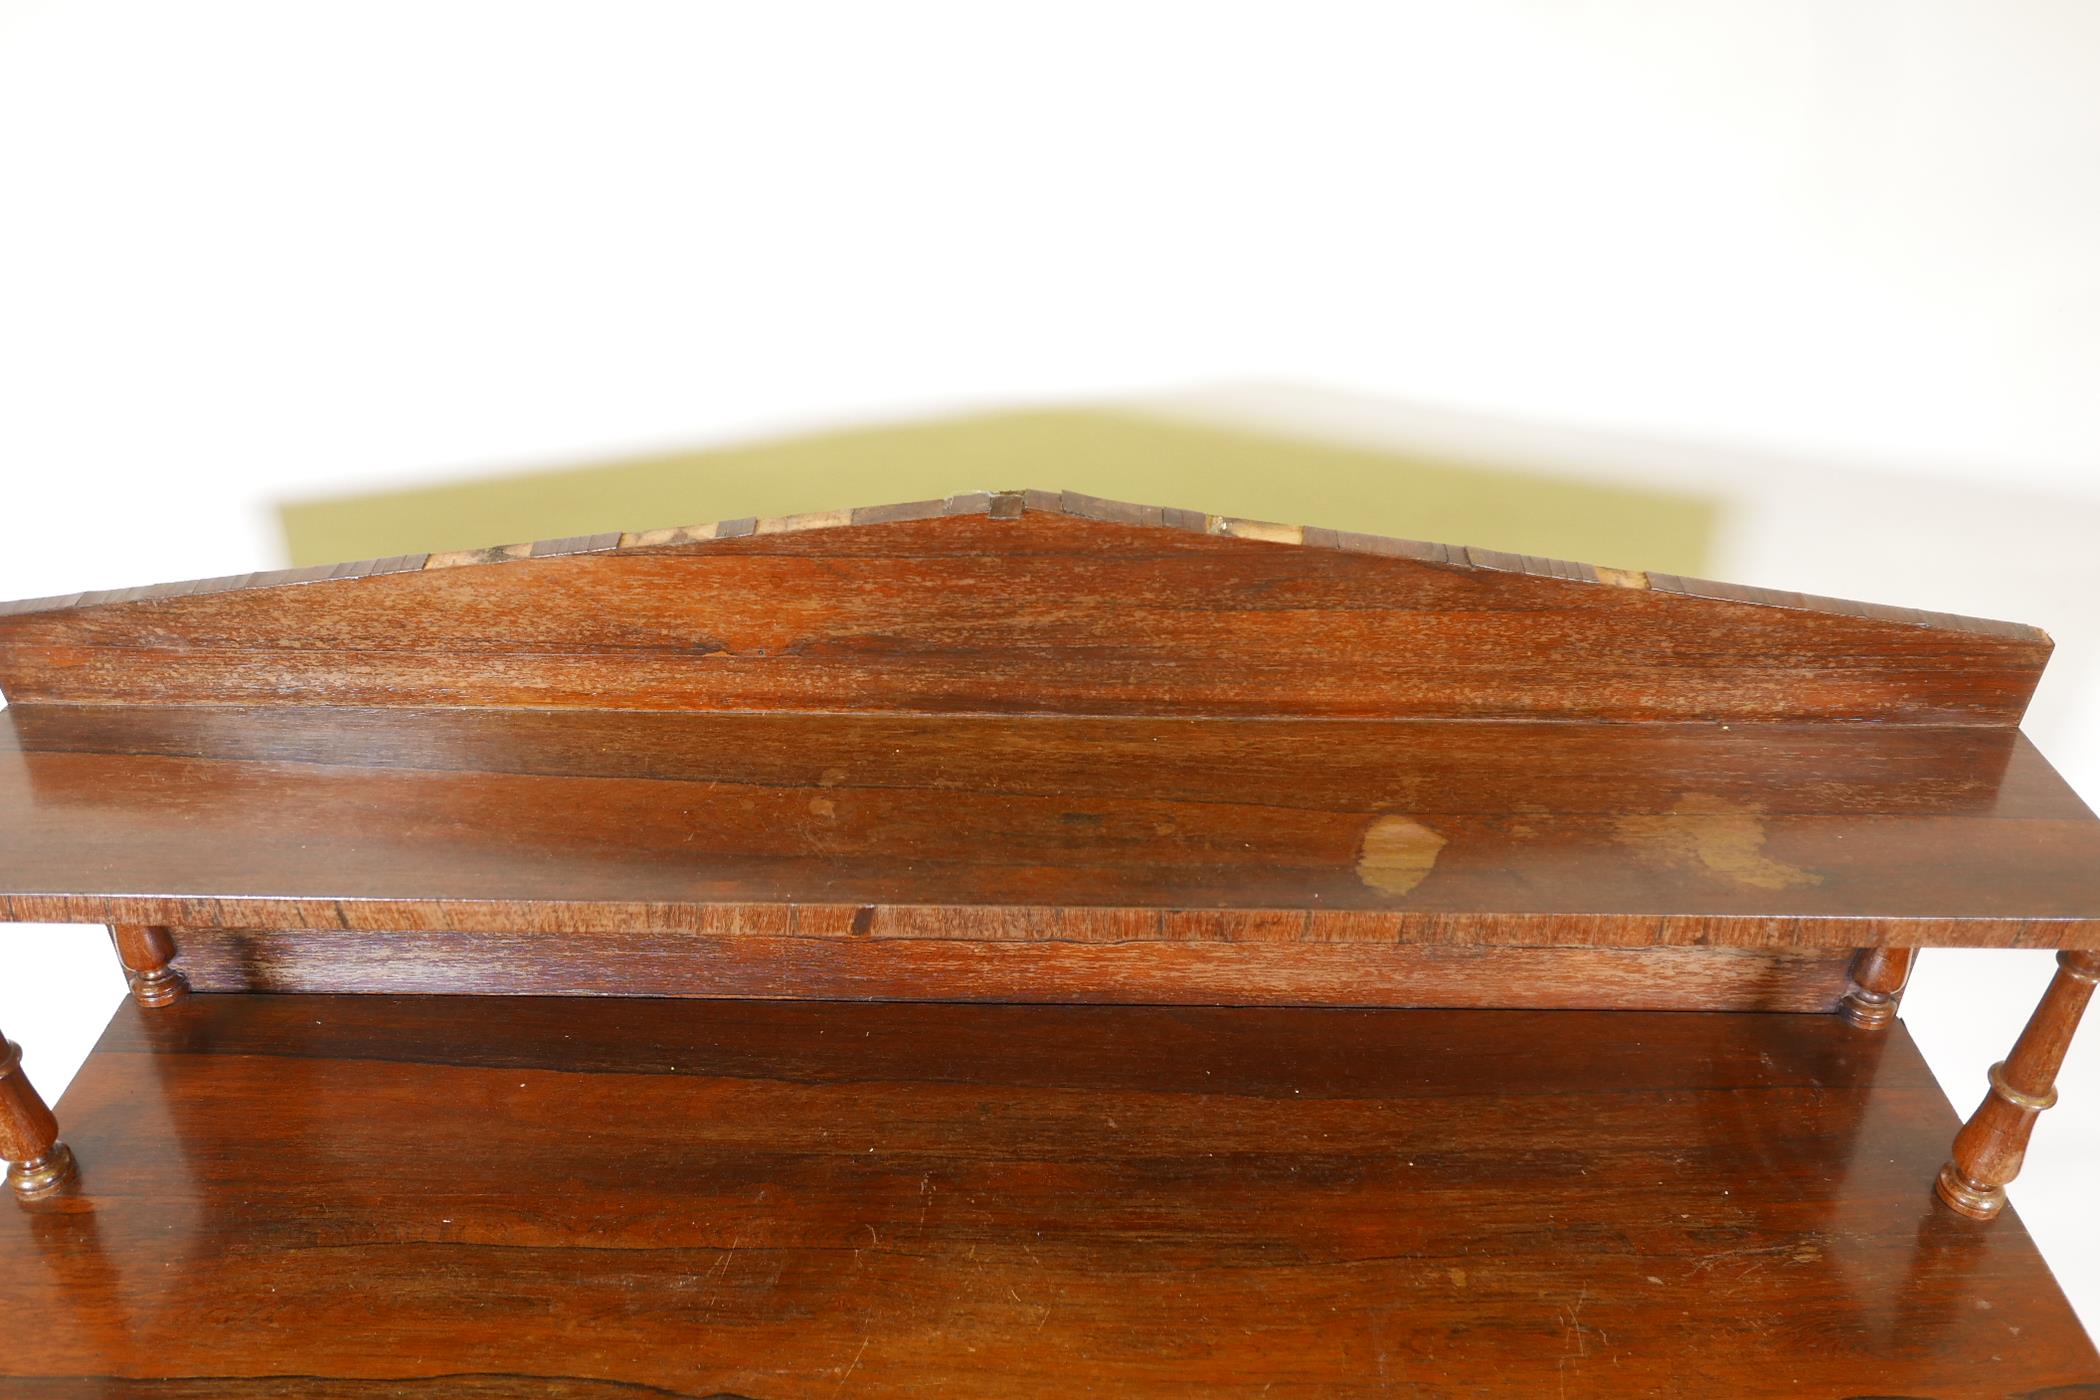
x,y
38,1164
1128,610
146,951
1992,1145
1878,977
461,1197
1021,747
1043,828
657,964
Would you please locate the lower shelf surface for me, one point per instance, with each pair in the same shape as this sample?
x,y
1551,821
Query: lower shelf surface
x,y
476,1197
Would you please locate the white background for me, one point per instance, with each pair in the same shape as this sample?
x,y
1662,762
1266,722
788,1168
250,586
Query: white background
x,y
1836,261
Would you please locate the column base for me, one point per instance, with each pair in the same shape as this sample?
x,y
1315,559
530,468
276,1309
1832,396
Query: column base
x,y
1870,1011
1958,1193
42,1176
163,986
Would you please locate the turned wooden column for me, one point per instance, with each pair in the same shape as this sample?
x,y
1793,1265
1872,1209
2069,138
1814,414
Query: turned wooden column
x,y
1878,975
146,951
37,1162
1992,1144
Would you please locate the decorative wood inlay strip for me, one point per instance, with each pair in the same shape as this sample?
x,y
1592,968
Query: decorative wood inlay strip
x,y
1011,505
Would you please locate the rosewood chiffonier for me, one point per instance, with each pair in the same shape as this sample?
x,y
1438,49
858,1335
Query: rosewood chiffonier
x,y
1025,944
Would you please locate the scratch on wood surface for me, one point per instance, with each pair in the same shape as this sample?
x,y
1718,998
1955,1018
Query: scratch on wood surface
x,y
717,1273
854,1364
1578,1339
1754,1258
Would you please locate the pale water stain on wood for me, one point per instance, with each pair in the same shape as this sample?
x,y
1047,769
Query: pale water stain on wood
x,y
1726,838
1398,854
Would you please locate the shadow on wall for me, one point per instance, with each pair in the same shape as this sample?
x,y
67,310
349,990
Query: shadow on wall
x,y
1119,453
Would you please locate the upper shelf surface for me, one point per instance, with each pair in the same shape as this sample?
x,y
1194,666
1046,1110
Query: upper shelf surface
x,y
1018,602
1023,828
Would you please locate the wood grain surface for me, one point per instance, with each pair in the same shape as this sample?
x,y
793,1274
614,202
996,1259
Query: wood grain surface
x,y
1019,602
1041,828
657,964
452,1197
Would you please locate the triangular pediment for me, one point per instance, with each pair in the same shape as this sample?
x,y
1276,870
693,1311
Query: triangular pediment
x,y
1018,601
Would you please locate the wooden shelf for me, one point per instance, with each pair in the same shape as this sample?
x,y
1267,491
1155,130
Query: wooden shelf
x,y
483,1196
1043,828
1353,885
